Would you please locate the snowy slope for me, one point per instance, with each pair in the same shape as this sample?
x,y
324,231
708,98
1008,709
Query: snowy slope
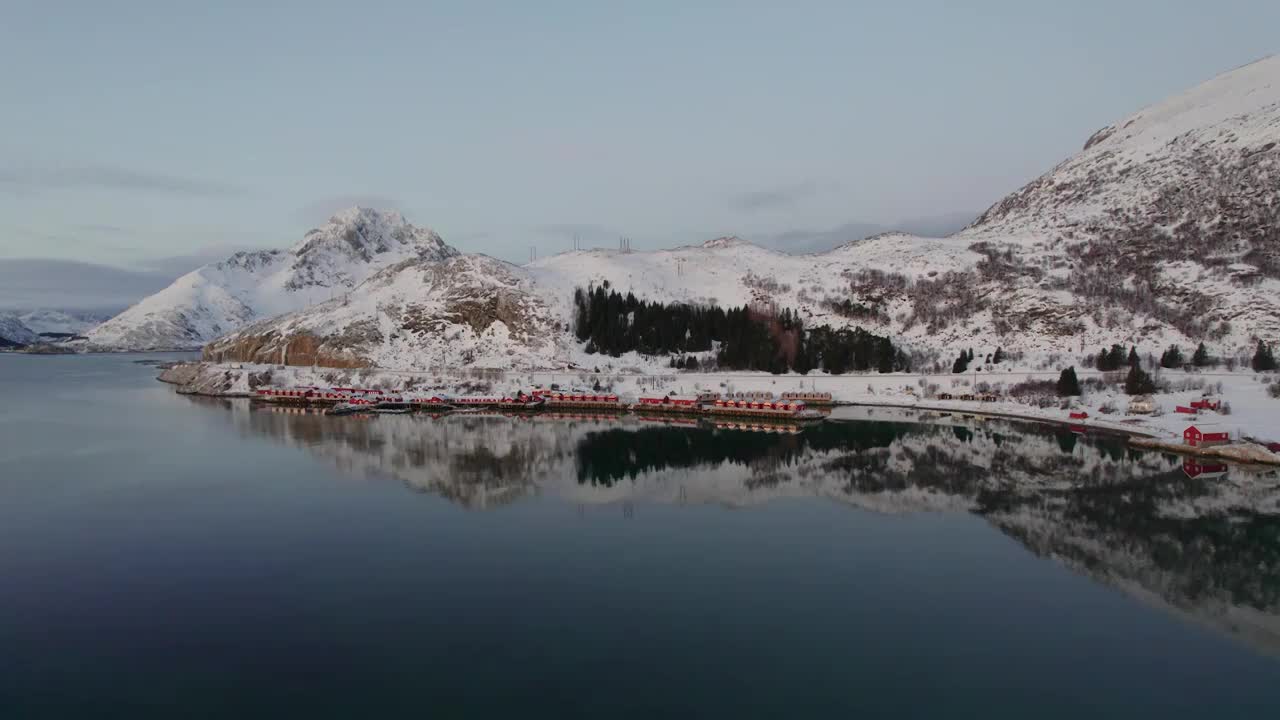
x,y
465,310
250,286
68,322
14,332
1164,229
1169,218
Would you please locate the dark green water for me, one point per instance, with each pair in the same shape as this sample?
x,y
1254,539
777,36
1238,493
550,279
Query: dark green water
x,y
162,556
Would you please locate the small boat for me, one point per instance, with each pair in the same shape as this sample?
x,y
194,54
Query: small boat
x,y
349,408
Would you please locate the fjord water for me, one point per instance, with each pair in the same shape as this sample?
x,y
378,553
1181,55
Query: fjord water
x,y
166,556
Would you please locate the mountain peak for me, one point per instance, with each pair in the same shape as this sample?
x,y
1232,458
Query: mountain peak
x,y
1225,102
330,260
358,214
361,233
725,242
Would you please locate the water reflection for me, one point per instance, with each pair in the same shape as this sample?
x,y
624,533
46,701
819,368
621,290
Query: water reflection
x,y
1197,538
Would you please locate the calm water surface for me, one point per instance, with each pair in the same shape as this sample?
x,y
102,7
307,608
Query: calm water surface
x,y
164,556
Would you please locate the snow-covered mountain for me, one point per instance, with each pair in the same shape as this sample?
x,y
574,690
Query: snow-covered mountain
x,y
422,312
1164,229
14,332
249,286
1168,220
61,322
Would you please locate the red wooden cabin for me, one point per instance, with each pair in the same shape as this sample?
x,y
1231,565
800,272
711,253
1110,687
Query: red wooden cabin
x,y
1205,437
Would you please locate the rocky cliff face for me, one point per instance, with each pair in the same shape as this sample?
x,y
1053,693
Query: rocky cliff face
x,y
250,286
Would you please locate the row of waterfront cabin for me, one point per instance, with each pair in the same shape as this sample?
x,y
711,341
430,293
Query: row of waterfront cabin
x,y
759,405
668,401
814,397
567,397
312,393
486,401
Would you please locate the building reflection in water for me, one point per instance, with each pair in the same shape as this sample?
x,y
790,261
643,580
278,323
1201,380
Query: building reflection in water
x,y
1202,538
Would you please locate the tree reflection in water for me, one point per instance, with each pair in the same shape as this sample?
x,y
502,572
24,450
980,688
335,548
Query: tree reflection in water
x,y
1204,540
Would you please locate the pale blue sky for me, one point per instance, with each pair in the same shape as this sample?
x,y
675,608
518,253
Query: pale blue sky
x,y
134,128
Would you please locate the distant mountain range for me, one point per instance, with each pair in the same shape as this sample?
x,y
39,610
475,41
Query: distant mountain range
x,y
1165,228
27,327
799,242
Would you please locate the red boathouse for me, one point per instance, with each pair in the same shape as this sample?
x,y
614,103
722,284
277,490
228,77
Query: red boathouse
x,y
1205,436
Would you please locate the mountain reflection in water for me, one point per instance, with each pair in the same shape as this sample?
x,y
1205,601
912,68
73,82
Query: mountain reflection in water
x,y
1200,542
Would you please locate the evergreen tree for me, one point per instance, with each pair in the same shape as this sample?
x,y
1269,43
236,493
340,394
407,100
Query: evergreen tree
x,y
612,323
1134,360
1110,359
885,356
1138,382
961,364
1172,358
1263,359
1116,357
1068,384
998,357
1201,357
803,363
1101,360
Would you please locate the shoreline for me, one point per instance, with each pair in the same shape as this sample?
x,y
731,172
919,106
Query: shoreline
x,y
1005,414
1161,431
1239,452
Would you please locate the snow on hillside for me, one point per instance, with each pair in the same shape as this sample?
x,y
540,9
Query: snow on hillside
x,y
14,332
68,322
465,310
1169,219
1164,229
250,286
1129,163
733,272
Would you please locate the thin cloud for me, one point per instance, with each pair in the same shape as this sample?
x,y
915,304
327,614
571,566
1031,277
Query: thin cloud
x,y
571,229
773,198
799,241
324,208
22,180
100,229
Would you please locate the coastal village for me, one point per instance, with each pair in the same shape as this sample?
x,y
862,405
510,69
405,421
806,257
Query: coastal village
x,y
1225,416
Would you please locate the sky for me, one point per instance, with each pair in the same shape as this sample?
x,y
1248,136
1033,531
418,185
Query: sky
x,y
135,132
